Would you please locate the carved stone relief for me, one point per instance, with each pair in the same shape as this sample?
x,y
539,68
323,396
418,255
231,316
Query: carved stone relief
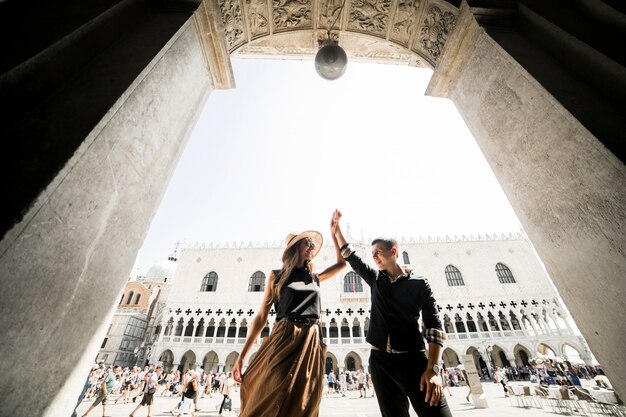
x,y
369,16
298,44
404,21
364,48
234,29
291,14
436,26
257,13
419,28
304,44
328,12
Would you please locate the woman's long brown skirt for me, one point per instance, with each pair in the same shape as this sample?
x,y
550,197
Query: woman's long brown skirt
x,y
284,378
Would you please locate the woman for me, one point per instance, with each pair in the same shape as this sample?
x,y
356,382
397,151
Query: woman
x,y
190,394
126,384
151,381
285,376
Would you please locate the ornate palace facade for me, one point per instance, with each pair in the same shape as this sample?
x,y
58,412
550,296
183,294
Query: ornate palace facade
x,y
495,299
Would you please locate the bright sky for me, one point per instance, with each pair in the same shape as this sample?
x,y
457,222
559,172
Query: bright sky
x,y
285,148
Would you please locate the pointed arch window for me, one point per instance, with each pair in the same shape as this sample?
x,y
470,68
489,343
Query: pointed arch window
x,y
179,328
189,328
453,276
257,282
405,258
232,328
200,329
130,297
209,282
504,274
356,328
352,282
333,331
168,328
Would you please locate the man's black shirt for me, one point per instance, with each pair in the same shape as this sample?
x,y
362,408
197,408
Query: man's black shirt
x,y
396,309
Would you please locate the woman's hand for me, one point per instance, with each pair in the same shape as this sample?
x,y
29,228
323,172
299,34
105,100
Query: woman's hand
x,y
334,222
237,371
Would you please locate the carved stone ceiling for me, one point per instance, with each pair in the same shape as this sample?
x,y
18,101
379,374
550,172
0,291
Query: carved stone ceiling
x,y
409,32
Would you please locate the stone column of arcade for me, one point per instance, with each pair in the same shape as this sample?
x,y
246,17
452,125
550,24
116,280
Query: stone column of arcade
x,y
65,261
566,187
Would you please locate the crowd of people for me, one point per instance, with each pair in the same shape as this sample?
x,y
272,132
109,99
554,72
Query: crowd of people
x,y
550,372
115,385
347,381
108,386
541,371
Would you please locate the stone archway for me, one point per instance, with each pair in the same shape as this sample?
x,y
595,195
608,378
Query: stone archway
x,y
167,360
331,364
187,361
412,33
479,362
450,358
572,353
211,362
522,356
544,349
230,361
87,184
352,362
498,356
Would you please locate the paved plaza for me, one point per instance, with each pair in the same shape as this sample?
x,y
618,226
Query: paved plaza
x,y
338,406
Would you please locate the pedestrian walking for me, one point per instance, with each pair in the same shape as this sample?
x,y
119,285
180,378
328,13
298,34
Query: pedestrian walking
x,y
189,395
151,383
227,391
106,386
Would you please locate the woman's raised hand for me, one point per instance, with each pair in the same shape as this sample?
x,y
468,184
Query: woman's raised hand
x,y
334,222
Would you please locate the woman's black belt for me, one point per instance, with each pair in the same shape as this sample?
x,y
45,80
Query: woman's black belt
x,y
309,321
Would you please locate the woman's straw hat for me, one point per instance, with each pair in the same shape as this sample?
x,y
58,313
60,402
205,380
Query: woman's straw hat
x,y
315,236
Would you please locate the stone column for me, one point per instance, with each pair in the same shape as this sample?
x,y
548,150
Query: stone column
x,y
511,358
64,263
565,186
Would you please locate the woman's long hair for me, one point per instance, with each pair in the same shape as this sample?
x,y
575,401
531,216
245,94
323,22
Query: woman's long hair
x,y
291,257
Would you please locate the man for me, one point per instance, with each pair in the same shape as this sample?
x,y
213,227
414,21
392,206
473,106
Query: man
x,y
360,379
228,388
342,383
107,383
331,382
401,371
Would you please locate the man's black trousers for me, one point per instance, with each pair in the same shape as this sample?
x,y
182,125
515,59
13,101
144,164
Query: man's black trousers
x,y
396,378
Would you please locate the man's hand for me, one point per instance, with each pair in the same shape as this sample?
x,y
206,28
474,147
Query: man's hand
x,y
430,381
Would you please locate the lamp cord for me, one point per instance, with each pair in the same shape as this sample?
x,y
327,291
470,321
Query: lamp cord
x,y
343,3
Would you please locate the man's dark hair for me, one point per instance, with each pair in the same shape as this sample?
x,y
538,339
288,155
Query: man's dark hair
x,y
387,242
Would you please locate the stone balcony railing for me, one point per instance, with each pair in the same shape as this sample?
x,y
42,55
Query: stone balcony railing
x,y
491,335
504,334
